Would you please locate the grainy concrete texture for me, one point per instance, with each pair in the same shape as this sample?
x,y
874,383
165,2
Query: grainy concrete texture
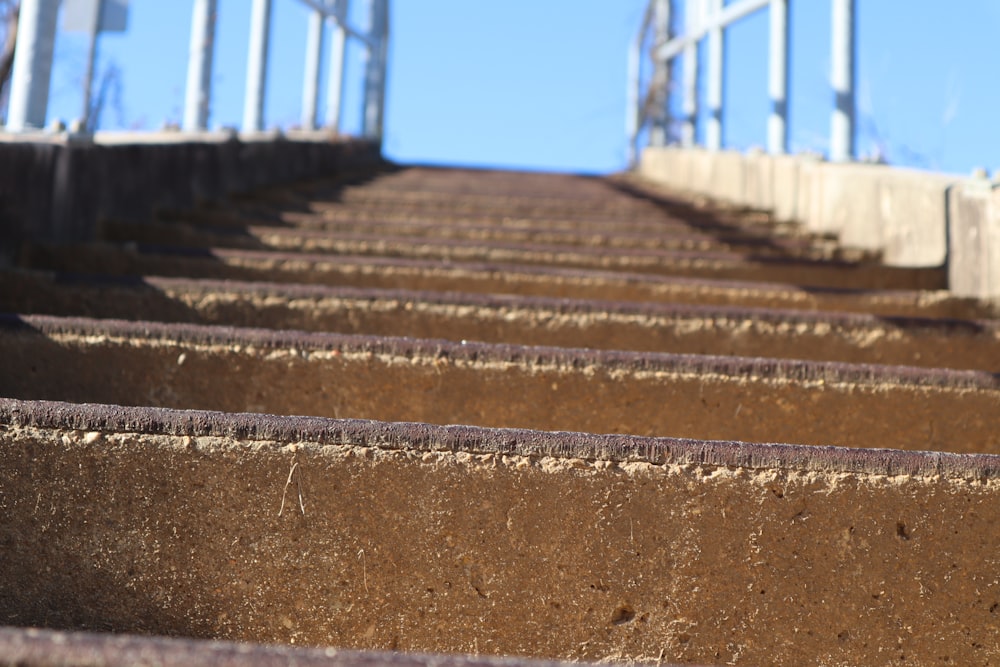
x,y
442,382
555,545
498,318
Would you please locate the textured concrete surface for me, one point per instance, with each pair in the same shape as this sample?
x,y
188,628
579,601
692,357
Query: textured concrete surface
x,y
974,238
443,382
497,318
502,278
557,545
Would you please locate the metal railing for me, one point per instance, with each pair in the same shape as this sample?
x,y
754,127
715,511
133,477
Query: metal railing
x,y
32,68
708,19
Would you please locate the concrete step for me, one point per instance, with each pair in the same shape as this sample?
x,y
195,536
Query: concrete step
x,y
547,388
387,305
461,539
312,234
671,327
486,268
492,278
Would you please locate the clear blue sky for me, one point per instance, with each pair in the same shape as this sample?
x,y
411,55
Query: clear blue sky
x,y
541,83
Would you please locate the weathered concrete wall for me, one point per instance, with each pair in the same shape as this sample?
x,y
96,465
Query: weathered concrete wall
x,y
57,189
975,239
903,214
561,545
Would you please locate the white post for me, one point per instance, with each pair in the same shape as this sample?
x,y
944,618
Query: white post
x,y
777,81
335,80
632,92
93,29
692,18
32,69
310,84
661,77
198,95
374,101
253,103
716,61
842,78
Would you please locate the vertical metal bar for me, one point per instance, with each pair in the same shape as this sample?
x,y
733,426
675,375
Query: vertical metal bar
x,y
253,103
93,30
716,62
632,93
32,69
777,80
692,11
198,95
375,70
310,84
335,82
383,66
661,77
842,78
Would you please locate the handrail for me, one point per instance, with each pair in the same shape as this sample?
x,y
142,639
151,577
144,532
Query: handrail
x,y
37,33
708,19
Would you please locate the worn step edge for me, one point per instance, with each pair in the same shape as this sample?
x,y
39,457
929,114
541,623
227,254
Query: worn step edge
x,y
776,370
503,441
519,279
817,276
275,237
525,320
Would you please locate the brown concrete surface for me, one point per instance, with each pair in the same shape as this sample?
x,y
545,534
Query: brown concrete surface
x,y
442,382
688,264
720,330
357,237
554,545
495,278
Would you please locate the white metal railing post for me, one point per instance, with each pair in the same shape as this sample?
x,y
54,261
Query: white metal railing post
x,y
253,103
32,70
660,85
93,28
335,78
634,115
310,82
632,93
692,18
383,64
777,80
198,95
842,78
372,115
716,62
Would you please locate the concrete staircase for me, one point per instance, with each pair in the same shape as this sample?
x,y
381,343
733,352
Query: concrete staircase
x,y
618,358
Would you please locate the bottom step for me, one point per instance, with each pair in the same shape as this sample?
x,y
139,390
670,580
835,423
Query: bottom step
x,y
559,545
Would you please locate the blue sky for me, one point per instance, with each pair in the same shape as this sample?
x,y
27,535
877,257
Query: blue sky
x,y
541,83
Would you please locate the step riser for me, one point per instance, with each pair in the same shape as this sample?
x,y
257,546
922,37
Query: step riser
x,y
395,537
969,345
540,388
498,279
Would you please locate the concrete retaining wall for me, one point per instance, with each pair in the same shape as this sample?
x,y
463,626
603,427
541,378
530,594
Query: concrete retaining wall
x,y
56,189
908,216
